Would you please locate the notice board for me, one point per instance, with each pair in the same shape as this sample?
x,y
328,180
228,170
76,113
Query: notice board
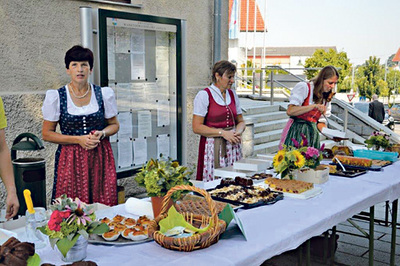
x,y
139,59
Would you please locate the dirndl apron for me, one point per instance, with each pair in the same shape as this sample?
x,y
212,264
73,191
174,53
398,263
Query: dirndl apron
x,y
218,116
89,175
303,124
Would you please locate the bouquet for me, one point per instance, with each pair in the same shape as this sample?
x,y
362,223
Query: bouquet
x,y
292,158
159,176
69,220
378,139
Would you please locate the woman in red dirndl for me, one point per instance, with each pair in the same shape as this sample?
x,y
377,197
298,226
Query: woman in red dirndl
x,y
84,161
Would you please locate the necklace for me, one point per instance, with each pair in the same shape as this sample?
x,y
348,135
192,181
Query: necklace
x,y
79,97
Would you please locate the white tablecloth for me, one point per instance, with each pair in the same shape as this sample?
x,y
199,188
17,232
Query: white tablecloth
x,y
270,230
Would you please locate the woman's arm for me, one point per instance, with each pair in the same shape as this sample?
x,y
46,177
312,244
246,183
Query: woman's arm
x,y
201,129
111,128
240,125
6,173
49,134
294,110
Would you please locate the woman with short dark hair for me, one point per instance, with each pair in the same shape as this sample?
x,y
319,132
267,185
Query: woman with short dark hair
x,y
87,115
217,117
309,101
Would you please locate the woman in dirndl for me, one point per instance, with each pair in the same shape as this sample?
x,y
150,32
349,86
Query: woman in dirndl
x,y
217,117
309,106
87,115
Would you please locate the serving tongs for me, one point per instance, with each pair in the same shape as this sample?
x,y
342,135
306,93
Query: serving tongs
x,y
341,165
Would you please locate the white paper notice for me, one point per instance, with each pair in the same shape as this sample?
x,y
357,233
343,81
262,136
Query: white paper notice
x,y
139,151
163,146
125,158
144,124
162,113
124,96
125,126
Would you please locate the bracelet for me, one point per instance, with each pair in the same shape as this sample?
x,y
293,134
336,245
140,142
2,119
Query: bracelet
x,y
220,132
103,135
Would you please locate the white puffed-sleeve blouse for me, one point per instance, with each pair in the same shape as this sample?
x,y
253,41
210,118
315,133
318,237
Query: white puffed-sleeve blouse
x,y
299,94
51,104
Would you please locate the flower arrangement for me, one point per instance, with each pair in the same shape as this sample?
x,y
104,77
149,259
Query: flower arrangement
x,y
292,158
69,220
378,139
159,176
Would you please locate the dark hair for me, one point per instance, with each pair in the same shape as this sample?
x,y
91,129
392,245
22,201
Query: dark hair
x,y
221,67
78,53
325,73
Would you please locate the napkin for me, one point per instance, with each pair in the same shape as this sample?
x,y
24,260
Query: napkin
x,y
139,207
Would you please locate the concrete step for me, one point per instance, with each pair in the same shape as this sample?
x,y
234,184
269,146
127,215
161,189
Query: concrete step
x,y
268,136
259,118
267,148
270,125
260,109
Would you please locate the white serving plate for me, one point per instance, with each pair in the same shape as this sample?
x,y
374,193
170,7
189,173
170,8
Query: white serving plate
x,y
305,195
231,172
249,164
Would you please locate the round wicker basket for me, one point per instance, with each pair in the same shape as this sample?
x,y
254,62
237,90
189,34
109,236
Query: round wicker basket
x,y
196,241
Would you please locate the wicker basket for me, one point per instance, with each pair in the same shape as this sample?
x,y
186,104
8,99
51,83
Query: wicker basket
x,y
197,241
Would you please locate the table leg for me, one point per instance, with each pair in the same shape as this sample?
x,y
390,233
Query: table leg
x,y
395,205
326,237
333,245
308,252
371,235
387,213
300,255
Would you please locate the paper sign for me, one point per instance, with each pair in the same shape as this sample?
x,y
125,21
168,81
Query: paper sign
x,y
228,214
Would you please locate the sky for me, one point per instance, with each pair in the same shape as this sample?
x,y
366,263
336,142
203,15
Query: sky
x,y
361,28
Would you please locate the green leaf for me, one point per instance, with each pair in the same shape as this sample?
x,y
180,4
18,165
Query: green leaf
x,y
33,260
174,219
102,228
53,241
64,245
83,233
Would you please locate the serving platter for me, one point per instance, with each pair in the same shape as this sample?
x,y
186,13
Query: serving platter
x,y
98,239
304,195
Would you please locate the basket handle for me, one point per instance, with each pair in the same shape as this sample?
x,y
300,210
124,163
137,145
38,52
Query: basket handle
x,y
209,200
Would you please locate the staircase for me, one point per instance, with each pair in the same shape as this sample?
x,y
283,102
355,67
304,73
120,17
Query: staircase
x,y
266,123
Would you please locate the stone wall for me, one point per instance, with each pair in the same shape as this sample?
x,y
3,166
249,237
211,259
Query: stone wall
x,y
35,36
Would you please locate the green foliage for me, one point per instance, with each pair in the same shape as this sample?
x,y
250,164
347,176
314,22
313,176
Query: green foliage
x,y
159,176
321,58
378,139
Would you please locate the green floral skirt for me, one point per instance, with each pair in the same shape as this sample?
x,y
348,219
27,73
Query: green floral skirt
x,y
309,129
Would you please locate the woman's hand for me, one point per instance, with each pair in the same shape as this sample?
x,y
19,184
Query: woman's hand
x,y
88,142
320,108
12,204
231,136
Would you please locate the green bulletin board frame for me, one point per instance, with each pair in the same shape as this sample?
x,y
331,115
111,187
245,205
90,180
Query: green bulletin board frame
x,y
103,14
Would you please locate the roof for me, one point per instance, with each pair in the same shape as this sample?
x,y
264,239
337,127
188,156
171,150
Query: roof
x,y
253,9
292,51
396,57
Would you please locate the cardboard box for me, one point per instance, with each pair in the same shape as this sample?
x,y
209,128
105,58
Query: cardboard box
x,y
318,176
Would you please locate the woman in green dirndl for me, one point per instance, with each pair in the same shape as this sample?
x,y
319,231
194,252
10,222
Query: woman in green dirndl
x,y
309,105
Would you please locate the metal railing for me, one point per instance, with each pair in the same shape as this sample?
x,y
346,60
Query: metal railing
x,y
244,81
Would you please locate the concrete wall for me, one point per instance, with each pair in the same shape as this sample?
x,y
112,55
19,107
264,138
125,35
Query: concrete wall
x,y
36,34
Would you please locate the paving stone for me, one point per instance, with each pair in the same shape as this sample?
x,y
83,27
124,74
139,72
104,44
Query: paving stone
x,y
351,249
348,259
383,257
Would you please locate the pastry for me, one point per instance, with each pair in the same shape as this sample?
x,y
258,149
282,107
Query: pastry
x,y
287,185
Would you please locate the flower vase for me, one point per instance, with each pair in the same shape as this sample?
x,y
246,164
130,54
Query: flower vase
x,y
292,175
77,252
156,203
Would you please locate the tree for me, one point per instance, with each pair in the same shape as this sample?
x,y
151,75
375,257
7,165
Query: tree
x,y
390,63
368,77
321,58
393,80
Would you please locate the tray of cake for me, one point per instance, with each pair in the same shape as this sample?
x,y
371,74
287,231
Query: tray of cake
x,y
240,191
350,172
359,163
292,188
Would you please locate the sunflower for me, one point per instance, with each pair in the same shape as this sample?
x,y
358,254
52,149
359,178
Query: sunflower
x,y
300,161
278,158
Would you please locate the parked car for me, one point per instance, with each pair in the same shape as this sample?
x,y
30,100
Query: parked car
x,y
395,112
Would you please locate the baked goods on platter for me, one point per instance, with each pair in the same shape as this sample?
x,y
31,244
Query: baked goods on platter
x,y
198,206
354,161
289,186
13,252
380,162
260,176
128,228
241,194
342,150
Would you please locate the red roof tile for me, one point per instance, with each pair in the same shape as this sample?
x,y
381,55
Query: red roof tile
x,y
396,58
260,25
